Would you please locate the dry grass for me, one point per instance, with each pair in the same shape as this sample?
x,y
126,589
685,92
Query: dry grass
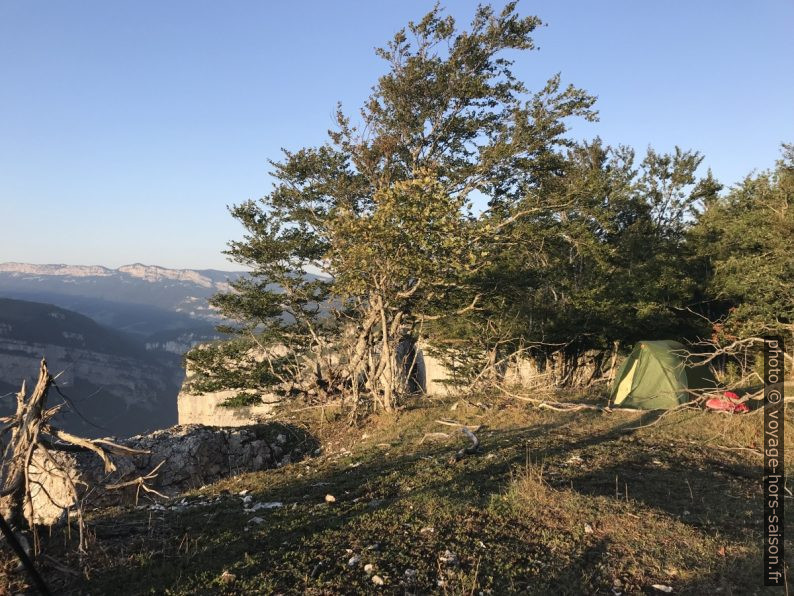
x,y
555,502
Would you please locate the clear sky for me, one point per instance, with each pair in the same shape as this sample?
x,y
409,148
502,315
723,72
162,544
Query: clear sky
x,y
127,127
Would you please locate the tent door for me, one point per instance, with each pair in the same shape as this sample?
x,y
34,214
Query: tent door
x,y
624,388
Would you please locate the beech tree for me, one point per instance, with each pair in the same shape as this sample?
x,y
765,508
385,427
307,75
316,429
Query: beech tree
x,y
604,264
384,209
745,238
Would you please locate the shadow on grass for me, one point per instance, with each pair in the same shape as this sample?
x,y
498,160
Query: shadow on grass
x,y
697,490
387,498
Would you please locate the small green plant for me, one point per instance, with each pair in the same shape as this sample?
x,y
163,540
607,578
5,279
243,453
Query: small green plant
x,y
241,400
236,364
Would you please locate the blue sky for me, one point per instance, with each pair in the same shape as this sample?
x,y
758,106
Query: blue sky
x,y
127,127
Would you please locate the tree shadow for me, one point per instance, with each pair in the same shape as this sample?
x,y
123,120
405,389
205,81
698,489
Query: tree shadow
x,y
699,489
469,482
383,488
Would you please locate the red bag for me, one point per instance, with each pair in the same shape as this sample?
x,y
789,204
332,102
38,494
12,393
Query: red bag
x,y
727,403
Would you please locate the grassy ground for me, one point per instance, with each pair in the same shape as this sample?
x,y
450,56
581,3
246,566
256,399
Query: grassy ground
x,y
554,503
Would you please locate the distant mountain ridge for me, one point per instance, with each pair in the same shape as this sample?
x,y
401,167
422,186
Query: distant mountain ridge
x,y
118,335
162,311
206,278
126,348
137,298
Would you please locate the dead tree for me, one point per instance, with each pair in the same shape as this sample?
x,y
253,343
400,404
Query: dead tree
x,y
32,432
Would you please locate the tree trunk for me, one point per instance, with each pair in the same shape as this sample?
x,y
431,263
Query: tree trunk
x,y
613,365
23,442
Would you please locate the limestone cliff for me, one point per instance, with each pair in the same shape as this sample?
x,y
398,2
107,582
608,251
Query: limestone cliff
x,y
114,386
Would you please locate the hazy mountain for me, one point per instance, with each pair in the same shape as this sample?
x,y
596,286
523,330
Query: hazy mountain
x,y
91,288
168,308
112,380
118,334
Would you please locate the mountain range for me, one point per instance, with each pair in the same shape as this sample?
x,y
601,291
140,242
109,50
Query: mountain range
x,y
180,295
116,335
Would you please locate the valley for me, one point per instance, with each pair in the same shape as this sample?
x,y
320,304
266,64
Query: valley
x,y
116,336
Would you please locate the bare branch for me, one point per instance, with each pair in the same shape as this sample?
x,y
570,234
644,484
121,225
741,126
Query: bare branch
x,y
140,483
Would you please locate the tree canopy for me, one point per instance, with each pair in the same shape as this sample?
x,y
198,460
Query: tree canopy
x,y
747,238
455,207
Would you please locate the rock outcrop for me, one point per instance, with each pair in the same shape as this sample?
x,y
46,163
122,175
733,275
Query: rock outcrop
x,y
207,409
189,457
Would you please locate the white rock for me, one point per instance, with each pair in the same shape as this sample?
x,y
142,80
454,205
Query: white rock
x,y
256,520
588,529
662,588
448,558
330,499
268,505
377,580
369,567
353,561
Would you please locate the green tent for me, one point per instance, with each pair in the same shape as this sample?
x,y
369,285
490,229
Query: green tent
x,y
655,376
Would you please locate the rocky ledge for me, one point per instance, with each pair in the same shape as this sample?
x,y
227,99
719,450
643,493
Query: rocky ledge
x,y
188,457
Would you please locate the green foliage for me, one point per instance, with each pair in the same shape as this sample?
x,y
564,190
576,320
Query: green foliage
x,y
412,247
241,400
582,248
746,236
603,259
384,207
229,365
